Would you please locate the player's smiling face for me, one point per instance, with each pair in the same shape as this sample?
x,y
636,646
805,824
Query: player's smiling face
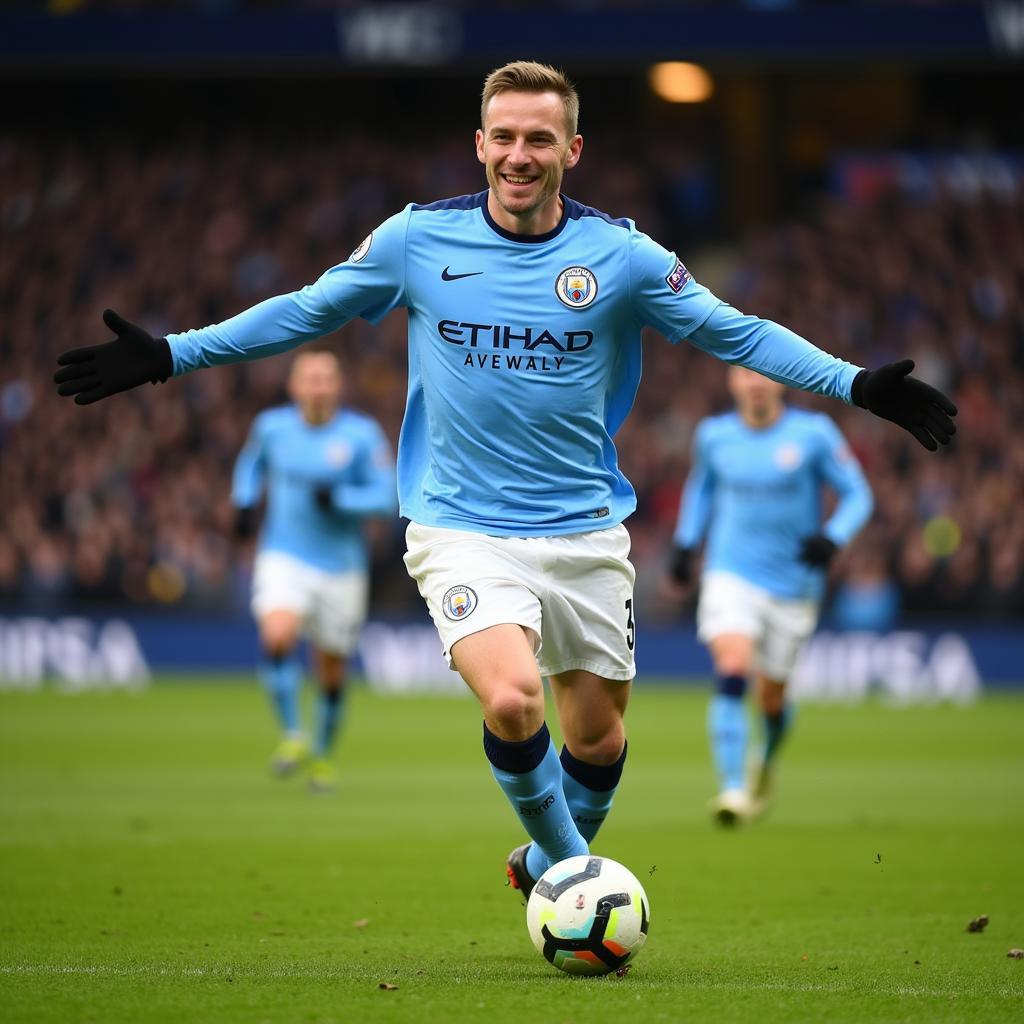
x,y
525,147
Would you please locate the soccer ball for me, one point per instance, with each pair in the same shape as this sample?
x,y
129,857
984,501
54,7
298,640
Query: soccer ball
x,y
588,915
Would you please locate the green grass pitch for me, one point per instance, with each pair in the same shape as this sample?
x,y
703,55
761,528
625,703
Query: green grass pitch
x,y
150,870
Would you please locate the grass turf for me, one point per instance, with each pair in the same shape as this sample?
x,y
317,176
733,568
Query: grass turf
x,y
150,870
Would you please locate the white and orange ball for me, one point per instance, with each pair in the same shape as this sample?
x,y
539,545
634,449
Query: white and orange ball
x,y
588,915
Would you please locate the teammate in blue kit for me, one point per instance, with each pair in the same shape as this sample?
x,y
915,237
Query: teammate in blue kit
x,y
324,469
525,312
755,492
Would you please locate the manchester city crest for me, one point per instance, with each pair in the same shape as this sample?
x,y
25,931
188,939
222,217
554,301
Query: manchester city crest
x,y
576,287
361,249
458,602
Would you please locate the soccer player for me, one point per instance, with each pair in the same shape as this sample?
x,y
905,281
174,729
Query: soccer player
x,y
755,490
324,469
525,316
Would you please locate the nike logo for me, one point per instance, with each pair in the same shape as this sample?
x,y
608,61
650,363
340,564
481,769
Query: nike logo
x,y
445,276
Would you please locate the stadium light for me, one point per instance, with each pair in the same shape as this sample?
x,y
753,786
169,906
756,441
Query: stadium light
x,y
679,82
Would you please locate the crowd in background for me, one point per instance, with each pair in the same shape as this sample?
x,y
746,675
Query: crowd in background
x,y
127,500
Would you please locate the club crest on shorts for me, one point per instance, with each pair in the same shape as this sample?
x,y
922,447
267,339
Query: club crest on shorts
x,y
458,602
576,287
361,249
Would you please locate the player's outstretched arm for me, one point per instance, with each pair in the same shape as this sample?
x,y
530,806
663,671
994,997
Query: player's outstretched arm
x,y
665,296
135,356
369,284
99,371
890,392
779,353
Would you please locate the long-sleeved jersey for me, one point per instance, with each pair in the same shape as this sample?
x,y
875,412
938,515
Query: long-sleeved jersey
x,y
524,355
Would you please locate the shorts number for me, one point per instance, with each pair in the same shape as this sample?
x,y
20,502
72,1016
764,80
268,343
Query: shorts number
x,y
630,625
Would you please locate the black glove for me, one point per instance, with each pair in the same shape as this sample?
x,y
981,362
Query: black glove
x,y
245,523
681,566
100,371
324,497
918,407
817,551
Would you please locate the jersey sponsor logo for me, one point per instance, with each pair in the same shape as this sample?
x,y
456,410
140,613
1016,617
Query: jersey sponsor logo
x,y
458,603
788,455
678,278
360,251
576,287
446,274
502,336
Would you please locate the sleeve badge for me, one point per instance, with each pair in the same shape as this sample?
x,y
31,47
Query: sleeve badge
x,y
678,278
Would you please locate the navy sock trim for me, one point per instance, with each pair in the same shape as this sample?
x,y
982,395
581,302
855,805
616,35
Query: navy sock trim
x,y
774,717
732,686
519,757
601,778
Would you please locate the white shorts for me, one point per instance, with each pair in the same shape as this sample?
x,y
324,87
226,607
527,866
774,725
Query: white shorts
x,y
332,606
778,626
574,594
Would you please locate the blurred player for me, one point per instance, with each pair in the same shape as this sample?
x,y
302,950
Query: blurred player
x,y
324,469
525,316
755,491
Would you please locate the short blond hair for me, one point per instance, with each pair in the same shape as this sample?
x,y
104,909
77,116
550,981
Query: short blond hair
x,y
529,76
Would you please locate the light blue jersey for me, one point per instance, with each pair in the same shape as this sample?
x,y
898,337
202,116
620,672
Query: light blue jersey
x,y
524,356
291,459
757,493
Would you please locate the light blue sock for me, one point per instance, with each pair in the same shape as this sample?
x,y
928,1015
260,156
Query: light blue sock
x,y
281,677
727,730
530,775
589,790
775,729
330,710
